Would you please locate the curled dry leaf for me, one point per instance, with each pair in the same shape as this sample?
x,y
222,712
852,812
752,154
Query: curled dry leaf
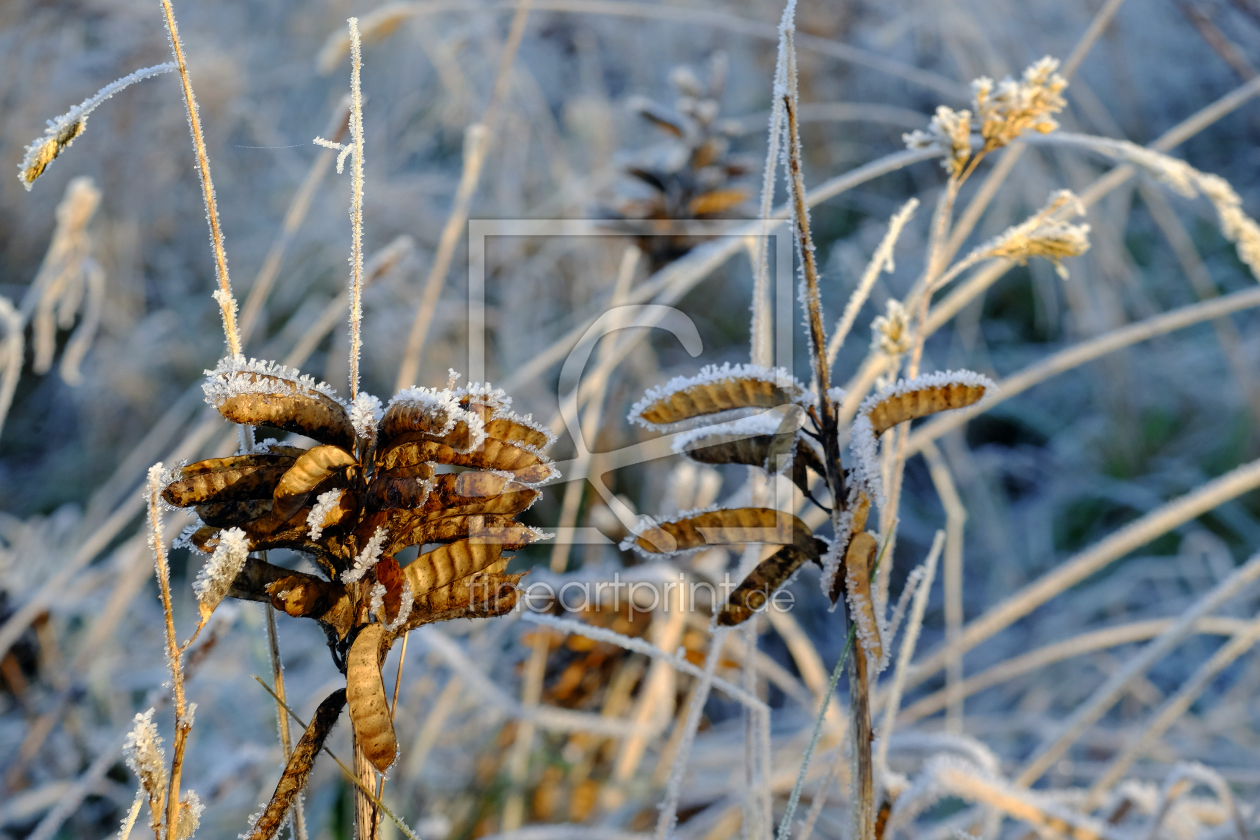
x,y
312,414
316,465
365,692
298,769
228,484
724,527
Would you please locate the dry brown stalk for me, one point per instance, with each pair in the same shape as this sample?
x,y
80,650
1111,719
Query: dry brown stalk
x,y
227,303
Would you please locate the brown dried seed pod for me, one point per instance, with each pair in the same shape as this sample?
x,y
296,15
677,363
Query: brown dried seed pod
x,y
727,527
312,414
760,584
859,560
449,563
405,421
316,465
477,492
509,430
716,202
489,529
759,451
390,493
236,462
252,581
804,460
713,396
922,402
494,455
304,596
224,485
484,595
365,692
299,766
229,514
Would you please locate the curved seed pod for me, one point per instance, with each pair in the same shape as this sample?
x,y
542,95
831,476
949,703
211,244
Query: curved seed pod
x,y
715,202
298,769
448,563
920,402
760,584
856,526
757,451
859,561
716,390
478,492
229,514
487,529
406,420
365,692
510,428
311,414
236,462
725,527
484,595
307,472
224,485
493,455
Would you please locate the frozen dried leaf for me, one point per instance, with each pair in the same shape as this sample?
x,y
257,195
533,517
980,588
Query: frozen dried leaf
x,y
298,768
391,491
304,596
365,692
449,563
765,440
390,575
223,485
715,390
691,532
318,464
503,425
804,461
219,572
761,583
291,408
252,581
859,563
525,466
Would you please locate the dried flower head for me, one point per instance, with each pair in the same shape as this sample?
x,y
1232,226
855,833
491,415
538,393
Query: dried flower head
x,y
950,133
1011,108
1043,235
890,332
144,755
63,130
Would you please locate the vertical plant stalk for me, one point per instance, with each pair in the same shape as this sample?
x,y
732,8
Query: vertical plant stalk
x,y
173,655
365,810
356,206
393,709
223,295
859,687
286,740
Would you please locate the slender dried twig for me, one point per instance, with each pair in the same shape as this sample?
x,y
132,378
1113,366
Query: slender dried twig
x,y
222,295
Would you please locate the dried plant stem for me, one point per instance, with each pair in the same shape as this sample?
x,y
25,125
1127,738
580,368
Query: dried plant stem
x,y
286,741
173,654
227,303
859,688
1171,711
908,642
952,579
476,146
1093,559
393,709
518,758
1087,351
356,209
1035,660
1109,692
